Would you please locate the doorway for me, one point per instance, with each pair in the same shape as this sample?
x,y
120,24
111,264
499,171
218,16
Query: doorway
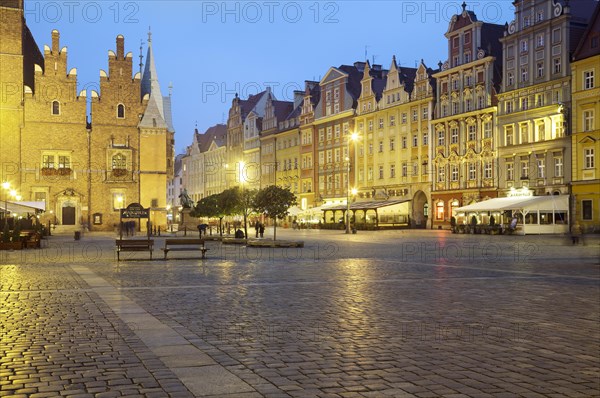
x,y
68,215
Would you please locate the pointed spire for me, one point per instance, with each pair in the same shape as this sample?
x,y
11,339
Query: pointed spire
x,y
366,72
155,111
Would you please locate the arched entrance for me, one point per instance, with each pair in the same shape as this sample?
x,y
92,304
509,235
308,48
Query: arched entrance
x,y
420,210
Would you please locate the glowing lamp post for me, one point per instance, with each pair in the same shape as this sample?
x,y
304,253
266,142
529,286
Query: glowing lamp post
x,y
351,137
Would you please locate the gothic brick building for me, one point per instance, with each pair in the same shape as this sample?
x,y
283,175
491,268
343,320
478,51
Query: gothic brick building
x,y
83,168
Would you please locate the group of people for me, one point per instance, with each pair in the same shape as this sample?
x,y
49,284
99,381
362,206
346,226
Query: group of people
x,y
260,229
128,227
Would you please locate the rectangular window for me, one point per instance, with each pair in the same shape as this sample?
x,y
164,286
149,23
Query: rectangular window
x,y
415,141
558,166
510,171
392,144
524,134
380,146
426,138
454,173
523,46
556,36
321,135
404,169
404,118
393,171
524,74
441,174
425,114
557,65
525,169
380,123
48,161
64,162
472,132
392,120
541,168
487,130
441,138
540,69
454,135
118,200
586,210
589,160
509,106
337,131
472,171
524,104
370,125
510,78
468,105
404,142
381,172
487,170
588,120
415,115
539,40
588,79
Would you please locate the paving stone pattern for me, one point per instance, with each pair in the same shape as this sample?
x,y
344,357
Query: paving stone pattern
x,y
370,315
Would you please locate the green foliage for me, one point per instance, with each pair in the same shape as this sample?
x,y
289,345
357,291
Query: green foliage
x,y
6,233
274,201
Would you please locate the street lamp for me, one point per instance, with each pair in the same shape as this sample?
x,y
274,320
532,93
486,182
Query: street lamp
x,y
351,137
6,187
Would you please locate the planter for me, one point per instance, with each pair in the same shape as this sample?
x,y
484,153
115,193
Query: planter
x,y
11,245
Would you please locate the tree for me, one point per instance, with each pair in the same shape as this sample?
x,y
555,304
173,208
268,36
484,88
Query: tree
x,y
211,207
244,204
275,203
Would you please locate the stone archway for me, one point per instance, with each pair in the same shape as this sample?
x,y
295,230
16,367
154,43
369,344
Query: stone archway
x,y
419,213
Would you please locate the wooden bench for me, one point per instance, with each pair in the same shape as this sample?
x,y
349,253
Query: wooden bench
x,y
184,245
134,245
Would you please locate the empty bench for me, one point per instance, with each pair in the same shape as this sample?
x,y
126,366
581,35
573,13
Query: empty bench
x,y
184,245
134,245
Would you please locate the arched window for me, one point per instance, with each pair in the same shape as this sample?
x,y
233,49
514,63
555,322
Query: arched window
x,y
55,108
119,161
121,111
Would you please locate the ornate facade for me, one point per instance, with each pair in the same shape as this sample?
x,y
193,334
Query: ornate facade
x,y
463,139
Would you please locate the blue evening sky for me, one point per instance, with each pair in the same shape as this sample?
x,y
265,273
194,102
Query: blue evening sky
x,y
209,50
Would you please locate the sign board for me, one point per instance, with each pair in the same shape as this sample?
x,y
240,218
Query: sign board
x,y
521,192
135,210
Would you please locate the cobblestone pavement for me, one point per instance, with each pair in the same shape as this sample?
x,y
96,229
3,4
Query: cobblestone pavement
x,y
394,313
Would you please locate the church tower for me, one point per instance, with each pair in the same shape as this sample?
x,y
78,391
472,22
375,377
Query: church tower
x,y
156,143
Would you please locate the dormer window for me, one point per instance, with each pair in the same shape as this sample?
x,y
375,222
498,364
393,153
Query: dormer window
x,y
55,108
121,111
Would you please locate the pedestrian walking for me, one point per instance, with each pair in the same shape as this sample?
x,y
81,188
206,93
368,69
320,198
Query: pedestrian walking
x,y
262,230
257,227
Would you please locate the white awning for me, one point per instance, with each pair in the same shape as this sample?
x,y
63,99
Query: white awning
x,y
528,203
21,207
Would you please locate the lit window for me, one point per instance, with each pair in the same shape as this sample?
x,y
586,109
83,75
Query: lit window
x,y
588,120
589,159
558,166
588,79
